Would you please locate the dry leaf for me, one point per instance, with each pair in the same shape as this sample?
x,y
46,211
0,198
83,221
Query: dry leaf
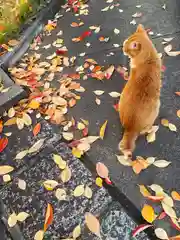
x,y
102,170
99,182
79,191
27,119
5,169
21,154
151,137
34,104
59,161
35,147
21,184
123,161
175,195
50,184
144,191
36,129
161,163
139,165
140,228
68,136
48,217
103,129
12,220
148,213
76,232
98,92
60,194
11,112
172,127
22,216
175,238
161,234
39,235
66,174
92,223
169,210
88,192
114,94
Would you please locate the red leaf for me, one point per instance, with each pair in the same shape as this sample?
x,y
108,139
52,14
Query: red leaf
x,y
85,34
108,181
140,228
3,143
85,132
48,217
162,216
61,52
116,107
36,129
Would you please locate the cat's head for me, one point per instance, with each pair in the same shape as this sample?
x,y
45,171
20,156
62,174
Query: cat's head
x,y
137,42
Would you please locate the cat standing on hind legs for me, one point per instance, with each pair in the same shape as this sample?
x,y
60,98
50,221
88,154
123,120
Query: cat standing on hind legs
x,y
140,99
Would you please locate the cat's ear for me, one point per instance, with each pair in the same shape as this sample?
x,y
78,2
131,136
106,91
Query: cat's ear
x,y
140,28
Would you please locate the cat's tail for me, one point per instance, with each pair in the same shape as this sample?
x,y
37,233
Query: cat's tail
x,y
127,144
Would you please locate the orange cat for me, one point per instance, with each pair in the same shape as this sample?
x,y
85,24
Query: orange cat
x,y
140,99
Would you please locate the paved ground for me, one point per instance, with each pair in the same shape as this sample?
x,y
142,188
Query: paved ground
x,y
162,17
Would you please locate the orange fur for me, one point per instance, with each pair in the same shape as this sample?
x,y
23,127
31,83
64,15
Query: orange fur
x,y
140,99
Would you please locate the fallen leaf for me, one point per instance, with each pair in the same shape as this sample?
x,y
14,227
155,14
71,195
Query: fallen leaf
x,y
108,72
92,224
21,184
12,220
50,184
21,217
173,53
175,195
161,234
103,129
140,228
68,136
10,122
114,94
165,122
168,200
156,188
148,213
11,112
34,104
79,191
3,143
13,42
155,198
88,192
177,93
169,210
151,137
59,161
39,235
80,126
144,191
35,147
123,161
105,9
178,113
116,31
162,216
161,163
102,170
99,182
90,60
27,119
168,48
168,39
48,217
60,194
74,24
6,178
36,129
76,152
21,154
139,165
150,160
20,123
98,92
98,101
5,169
175,238
77,232
172,127
66,174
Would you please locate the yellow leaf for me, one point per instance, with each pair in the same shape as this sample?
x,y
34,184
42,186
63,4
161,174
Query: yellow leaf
x,y
34,104
93,224
10,122
60,194
175,195
66,174
76,152
39,235
80,126
21,184
50,184
22,216
12,220
165,122
148,213
151,137
172,127
59,161
103,129
78,191
6,178
88,192
76,232
99,182
144,191
5,169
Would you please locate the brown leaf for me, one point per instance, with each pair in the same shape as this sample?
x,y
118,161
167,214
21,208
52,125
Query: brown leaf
x,y
48,217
